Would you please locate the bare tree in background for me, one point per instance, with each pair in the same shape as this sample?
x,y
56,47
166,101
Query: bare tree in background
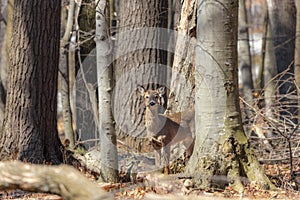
x,y
269,72
245,65
282,15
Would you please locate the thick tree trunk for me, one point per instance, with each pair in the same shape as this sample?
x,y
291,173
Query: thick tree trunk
x,y
139,62
108,142
221,147
182,83
30,126
62,180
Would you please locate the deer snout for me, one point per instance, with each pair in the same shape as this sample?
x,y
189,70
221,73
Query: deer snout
x,y
152,103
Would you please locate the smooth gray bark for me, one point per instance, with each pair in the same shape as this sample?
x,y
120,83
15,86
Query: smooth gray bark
x,y
64,77
108,143
221,147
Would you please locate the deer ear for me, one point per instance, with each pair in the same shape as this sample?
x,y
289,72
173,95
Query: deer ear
x,y
161,91
141,90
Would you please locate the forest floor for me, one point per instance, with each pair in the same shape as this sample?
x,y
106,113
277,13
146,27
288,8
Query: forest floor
x,y
158,186
178,186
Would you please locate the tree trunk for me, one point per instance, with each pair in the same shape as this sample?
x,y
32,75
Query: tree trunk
x,y
112,11
9,26
3,59
2,103
297,53
30,126
245,57
6,41
139,61
64,76
86,23
62,180
261,68
221,147
282,15
269,77
72,74
181,95
108,142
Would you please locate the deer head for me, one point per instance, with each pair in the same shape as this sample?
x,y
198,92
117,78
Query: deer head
x,y
152,97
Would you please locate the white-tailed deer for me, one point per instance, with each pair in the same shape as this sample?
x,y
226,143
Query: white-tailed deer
x,y
161,130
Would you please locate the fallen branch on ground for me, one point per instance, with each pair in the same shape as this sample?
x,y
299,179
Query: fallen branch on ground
x,y
62,180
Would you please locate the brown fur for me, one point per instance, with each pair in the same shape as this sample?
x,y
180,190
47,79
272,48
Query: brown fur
x,y
162,131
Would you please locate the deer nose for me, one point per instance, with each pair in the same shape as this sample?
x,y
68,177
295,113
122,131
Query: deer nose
x,y
152,103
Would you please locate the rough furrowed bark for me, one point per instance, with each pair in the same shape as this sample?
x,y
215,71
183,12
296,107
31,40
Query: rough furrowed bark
x,y
139,61
30,127
62,180
181,95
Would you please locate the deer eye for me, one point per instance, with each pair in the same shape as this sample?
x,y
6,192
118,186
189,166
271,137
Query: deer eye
x,y
147,96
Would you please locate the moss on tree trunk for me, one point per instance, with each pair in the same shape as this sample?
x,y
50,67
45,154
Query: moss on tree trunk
x,y
222,154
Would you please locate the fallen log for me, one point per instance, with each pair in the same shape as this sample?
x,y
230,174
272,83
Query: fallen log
x,y
62,180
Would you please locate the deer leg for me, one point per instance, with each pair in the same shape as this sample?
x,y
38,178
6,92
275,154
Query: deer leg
x,y
157,158
156,144
166,158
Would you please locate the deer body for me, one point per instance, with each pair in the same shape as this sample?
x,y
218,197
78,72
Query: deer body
x,y
161,130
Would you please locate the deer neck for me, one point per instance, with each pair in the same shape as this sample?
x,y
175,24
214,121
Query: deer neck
x,y
154,121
